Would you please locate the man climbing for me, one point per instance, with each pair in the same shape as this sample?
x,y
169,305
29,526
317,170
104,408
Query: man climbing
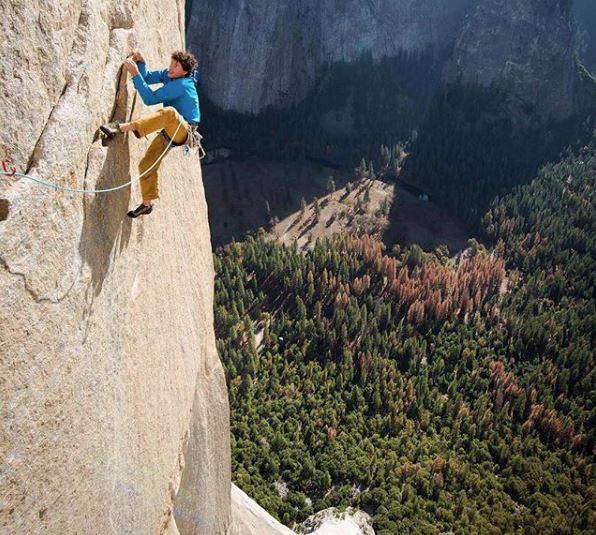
x,y
176,121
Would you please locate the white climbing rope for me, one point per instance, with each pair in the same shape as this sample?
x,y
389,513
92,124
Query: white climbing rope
x,y
58,187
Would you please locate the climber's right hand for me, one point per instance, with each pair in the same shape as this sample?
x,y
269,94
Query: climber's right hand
x,y
131,67
138,56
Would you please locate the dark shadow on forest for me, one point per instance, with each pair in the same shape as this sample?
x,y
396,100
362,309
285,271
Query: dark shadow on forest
x,y
414,220
237,193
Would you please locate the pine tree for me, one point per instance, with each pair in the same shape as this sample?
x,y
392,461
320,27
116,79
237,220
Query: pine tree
x,y
330,186
302,206
317,208
362,169
367,195
267,212
371,171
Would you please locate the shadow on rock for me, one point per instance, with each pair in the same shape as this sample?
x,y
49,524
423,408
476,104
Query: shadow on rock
x,y
106,228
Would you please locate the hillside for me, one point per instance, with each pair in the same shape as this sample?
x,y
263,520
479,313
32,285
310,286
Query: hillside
x,y
373,208
247,196
359,208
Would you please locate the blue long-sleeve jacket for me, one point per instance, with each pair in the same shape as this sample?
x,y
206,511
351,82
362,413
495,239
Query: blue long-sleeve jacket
x,y
180,93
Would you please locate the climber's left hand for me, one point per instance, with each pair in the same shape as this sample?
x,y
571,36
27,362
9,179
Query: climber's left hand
x,y
131,67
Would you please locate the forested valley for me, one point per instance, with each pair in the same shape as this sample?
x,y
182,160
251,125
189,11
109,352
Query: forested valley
x,y
437,393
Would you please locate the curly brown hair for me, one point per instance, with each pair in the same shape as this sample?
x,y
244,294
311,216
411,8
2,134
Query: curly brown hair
x,y
186,59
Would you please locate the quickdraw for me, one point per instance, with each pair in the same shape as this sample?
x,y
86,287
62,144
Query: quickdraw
x,y
5,163
191,143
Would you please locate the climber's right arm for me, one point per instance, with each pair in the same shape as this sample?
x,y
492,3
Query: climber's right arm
x,y
151,77
168,92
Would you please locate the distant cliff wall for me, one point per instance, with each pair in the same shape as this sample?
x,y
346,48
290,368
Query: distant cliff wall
x,y
259,53
524,46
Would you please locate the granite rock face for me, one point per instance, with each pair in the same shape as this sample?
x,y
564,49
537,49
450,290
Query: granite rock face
x,y
330,521
251,518
259,53
525,46
112,396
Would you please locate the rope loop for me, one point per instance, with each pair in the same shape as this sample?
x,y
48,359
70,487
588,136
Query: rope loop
x,y
58,187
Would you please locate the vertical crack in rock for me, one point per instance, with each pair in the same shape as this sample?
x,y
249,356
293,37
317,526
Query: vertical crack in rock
x,y
4,209
121,93
35,152
83,20
168,519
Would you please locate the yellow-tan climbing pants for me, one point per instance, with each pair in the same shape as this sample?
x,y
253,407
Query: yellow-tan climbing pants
x,y
166,119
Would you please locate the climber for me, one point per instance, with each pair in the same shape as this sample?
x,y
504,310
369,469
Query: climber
x,y
177,121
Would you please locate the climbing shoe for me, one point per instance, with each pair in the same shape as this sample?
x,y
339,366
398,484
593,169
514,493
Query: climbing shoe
x,y
140,210
110,130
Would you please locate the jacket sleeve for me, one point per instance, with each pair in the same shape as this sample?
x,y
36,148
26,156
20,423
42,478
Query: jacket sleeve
x,y
151,77
169,91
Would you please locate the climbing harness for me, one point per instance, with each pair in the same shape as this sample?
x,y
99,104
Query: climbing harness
x,y
164,134
57,187
191,143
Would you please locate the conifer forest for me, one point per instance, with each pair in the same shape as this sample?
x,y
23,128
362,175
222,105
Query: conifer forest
x,y
439,393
